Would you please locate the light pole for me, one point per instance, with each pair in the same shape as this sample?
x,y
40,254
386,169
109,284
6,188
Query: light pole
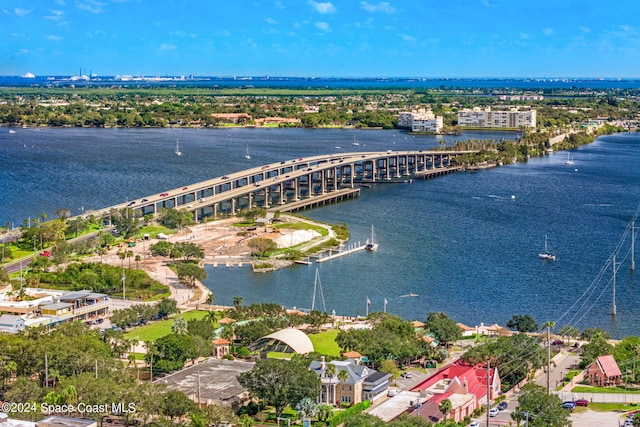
x,y
124,297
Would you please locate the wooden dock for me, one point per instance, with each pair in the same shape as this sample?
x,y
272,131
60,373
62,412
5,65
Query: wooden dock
x,y
348,251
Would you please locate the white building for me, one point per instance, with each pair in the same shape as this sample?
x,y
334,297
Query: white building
x,y
421,120
486,118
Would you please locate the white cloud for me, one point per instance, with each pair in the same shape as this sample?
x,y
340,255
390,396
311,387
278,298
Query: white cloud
x,y
271,21
325,7
56,15
323,26
627,28
23,52
278,5
383,6
548,31
90,6
252,43
524,36
584,29
407,37
21,12
166,47
53,38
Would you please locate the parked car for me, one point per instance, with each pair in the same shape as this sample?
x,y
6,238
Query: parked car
x,y
502,405
164,194
406,375
582,402
474,424
493,412
557,342
570,405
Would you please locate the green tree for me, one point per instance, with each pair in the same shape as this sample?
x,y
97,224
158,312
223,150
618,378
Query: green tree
x,y
280,382
188,251
261,247
307,408
544,410
190,272
177,404
179,326
522,323
444,407
364,420
598,346
443,327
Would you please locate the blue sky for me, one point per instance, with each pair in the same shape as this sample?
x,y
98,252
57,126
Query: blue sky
x,y
425,38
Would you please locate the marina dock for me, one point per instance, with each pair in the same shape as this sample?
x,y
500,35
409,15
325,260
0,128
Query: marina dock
x,y
348,251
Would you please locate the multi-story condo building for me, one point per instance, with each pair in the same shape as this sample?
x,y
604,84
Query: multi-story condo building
x,y
486,118
421,120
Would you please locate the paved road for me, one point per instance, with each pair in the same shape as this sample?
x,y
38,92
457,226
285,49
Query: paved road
x,y
562,366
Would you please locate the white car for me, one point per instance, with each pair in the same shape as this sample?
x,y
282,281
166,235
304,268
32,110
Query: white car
x,y
494,412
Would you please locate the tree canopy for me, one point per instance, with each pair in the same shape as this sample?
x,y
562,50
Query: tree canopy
x,y
281,383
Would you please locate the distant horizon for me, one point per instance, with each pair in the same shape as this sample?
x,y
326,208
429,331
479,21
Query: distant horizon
x,y
310,77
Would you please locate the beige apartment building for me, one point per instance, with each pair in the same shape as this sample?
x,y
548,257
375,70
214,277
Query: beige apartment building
x,y
513,118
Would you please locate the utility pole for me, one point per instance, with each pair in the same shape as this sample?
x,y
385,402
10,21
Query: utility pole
x,y
46,370
124,296
548,358
613,296
633,244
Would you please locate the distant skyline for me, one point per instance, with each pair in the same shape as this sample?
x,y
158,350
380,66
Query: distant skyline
x,y
308,38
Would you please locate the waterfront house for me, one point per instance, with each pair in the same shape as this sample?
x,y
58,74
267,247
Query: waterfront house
x,y
362,383
604,372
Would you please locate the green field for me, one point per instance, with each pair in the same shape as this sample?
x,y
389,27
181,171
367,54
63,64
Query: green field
x,y
155,330
325,342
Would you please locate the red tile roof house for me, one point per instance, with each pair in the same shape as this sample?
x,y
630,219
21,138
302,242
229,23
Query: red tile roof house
x,y
604,372
464,385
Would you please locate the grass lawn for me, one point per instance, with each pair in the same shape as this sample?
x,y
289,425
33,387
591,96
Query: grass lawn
x,y
589,389
155,330
612,407
279,355
302,226
325,342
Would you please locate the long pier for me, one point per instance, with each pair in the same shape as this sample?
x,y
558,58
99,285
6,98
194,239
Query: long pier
x,y
340,253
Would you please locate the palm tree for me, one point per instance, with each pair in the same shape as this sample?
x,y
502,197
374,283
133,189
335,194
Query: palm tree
x,y
138,258
210,299
330,372
129,255
444,407
237,301
307,408
342,377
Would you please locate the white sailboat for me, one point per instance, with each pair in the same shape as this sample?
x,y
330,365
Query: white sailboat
x,y
247,155
371,245
569,160
317,286
356,143
545,254
178,152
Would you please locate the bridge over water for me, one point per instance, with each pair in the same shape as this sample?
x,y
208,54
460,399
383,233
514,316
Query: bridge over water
x,y
295,184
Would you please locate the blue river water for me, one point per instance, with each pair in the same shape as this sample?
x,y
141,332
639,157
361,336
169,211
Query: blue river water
x,y
466,243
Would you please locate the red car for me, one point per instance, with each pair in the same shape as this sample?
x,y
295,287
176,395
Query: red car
x,y
582,402
164,194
